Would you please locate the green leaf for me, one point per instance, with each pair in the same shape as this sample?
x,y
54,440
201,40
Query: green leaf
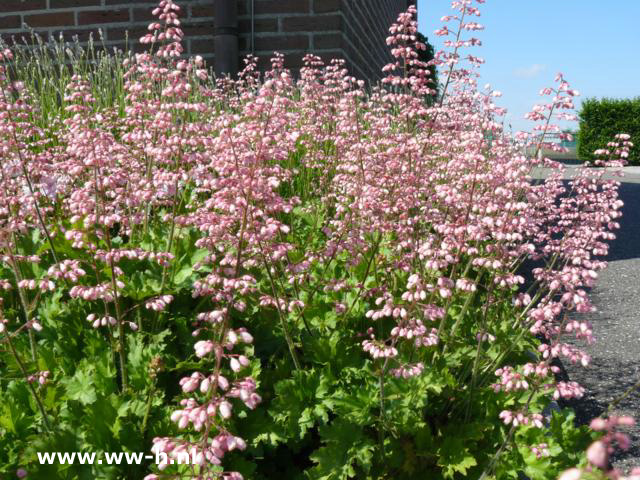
x,y
140,354
183,274
346,453
81,386
13,418
136,407
454,457
302,402
198,255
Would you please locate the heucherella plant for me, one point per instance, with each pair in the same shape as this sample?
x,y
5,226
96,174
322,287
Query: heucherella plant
x,y
289,274
600,451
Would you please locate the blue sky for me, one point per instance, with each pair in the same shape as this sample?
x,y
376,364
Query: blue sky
x,y
595,43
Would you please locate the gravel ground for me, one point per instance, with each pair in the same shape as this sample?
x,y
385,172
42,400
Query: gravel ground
x,y
616,325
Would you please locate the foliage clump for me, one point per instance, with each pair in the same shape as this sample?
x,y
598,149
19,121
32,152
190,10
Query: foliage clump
x,y
600,120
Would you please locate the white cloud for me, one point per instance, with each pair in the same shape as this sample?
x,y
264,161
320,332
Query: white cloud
x,y
530,72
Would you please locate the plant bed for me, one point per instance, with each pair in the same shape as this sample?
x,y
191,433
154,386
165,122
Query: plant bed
x,y
287,277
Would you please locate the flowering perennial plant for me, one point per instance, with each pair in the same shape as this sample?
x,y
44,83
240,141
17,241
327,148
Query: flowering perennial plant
x,y
293,275
599,452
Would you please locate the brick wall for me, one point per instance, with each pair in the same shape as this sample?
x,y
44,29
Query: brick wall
x,y
350,29
112,17
365,27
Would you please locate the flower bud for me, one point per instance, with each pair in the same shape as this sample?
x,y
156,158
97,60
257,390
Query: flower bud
x,y
597,454
225,409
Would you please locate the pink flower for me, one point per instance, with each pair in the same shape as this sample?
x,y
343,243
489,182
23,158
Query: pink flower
x,y
225,409
203,348
598,424
571,474
235,365
597,454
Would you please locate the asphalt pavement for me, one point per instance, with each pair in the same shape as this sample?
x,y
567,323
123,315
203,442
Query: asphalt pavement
x,y
615,366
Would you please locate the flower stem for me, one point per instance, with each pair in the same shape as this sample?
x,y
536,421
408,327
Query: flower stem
x,y
25,374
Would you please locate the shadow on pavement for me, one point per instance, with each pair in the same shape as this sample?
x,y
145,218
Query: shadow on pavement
x,y
615,364
608,380
627,243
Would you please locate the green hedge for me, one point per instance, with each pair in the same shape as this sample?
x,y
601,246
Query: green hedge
x,y
601,120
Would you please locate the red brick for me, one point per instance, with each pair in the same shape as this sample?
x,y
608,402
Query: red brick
x,y
22,38
73,3
260,25
206,9
10,21
202,47
102,16
121,33
291,60
312,23
202,11
83,35
244,7
126,3
328,56
143,14
21,5
281,43
138,47
327,40
53,19
198,30
281,6
325,6
115,46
